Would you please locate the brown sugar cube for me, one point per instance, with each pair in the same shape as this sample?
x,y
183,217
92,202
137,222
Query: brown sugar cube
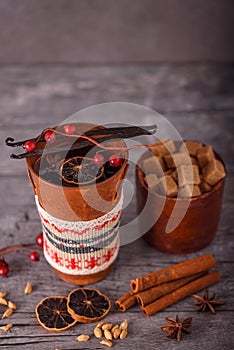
x,y
167,186
194,161
188,191
176,159
204,186
174,175
151,181
153,165
191,146
169,161
161,161
188,175
205,155
213,172
168,172
196,191
196,177
166,147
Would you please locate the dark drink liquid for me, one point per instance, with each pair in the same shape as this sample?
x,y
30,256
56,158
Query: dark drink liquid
x,y
48,167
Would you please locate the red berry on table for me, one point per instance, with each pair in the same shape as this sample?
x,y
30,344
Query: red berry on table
x,y
69,129
29,146
98,159
34,256
39,239
4,270
50,136
115,161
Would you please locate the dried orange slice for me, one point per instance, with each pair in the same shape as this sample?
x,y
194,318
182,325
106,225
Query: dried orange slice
x,y
52,314
80,170
88,305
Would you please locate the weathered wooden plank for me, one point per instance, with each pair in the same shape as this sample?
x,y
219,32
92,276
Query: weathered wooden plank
x,y
42,94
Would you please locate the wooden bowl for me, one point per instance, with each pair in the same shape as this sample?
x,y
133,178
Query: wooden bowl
x,y
197,228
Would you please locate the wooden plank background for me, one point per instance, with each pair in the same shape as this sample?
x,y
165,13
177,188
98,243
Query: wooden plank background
x,y
198,100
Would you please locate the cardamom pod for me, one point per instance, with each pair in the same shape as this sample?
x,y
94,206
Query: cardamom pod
x,y
114,327
124,325
97,332
83,337
28,288
7,313
11,305
6,327
116,333
107,334
123,334
107,326
106,342
100,324
3,301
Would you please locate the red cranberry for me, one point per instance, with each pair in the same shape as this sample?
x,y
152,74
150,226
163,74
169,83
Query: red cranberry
x,y
34,256
29,146
98,159
69,129
4,270
39,239
50,136
115,161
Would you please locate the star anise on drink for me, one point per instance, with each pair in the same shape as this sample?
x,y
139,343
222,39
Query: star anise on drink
x,y
207,302
174,328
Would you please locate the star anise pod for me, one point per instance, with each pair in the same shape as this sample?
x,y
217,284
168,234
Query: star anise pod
x,y
207,302
174,328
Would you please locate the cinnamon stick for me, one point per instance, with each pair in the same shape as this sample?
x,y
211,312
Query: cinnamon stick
x,y
126,301
149,295
174,272
181,293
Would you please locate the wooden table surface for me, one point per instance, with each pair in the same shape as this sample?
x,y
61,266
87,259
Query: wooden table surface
x,y
199,101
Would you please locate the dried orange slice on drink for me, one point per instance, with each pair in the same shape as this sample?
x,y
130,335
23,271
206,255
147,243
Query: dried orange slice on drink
x,y
80,171
52,314
88,305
